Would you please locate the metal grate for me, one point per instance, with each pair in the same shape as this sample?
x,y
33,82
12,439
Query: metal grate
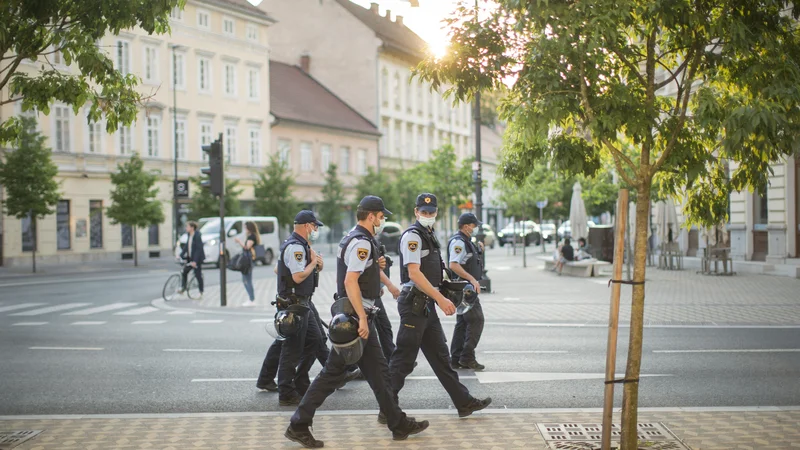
x,y
11,439
587,436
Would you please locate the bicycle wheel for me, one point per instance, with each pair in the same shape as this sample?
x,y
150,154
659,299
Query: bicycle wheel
x,y
171,287
192,287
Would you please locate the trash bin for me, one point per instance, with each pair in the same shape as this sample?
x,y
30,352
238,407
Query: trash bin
x,y
601,238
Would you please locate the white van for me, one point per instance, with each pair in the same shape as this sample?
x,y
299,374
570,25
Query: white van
x,y
234,227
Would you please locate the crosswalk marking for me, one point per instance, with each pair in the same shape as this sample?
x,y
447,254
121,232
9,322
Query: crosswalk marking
x,y
98,309
28,324
180,313
137,311
19,306
261,320
148,322
88,323
40,311
207,321
66,348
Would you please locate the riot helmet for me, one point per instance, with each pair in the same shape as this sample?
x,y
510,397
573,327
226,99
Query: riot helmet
x,y
453,291
287,322
343,333
470,297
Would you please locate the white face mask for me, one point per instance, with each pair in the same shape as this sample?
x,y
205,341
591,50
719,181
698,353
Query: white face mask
x,y
379,228
427,221
314,235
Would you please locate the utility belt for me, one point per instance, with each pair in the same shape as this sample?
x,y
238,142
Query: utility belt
x,y
287,300
419,300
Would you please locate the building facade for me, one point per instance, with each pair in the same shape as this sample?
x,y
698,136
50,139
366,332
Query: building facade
x,y
217,59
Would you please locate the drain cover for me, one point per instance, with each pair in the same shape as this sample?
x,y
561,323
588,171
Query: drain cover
x,y
588,436
11,439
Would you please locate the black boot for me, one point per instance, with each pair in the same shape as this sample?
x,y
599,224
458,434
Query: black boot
x,y
408,428
474,405
303,437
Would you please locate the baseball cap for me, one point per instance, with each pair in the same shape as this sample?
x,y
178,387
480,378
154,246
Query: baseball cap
x,y
373,203
427,203
306,216
468,219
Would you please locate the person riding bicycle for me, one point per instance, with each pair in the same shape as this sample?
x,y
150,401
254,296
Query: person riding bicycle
x,y
194,255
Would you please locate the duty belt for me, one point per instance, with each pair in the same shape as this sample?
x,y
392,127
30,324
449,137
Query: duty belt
x,y
416,292
283,302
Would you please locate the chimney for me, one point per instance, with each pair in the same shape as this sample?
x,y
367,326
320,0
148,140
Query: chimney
x,y
389,14
305,62
399,20
374,8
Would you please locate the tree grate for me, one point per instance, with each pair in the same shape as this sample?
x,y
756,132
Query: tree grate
x,y
11,439
588,436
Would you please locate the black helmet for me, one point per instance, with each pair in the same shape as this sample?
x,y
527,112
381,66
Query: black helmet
x,y
343,333
470,297
453,290
287,322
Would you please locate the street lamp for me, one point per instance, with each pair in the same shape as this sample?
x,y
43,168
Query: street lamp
x,y
175,225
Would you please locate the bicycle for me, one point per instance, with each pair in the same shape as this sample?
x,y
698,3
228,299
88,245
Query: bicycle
x,y
174,284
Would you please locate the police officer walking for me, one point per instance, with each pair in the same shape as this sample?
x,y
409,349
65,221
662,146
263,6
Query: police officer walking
x,y
466,261
421,272
298,272
358,274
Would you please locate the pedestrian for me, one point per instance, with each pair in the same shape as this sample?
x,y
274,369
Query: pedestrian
x,y
567,254
466,261
421,273
194,255
358,275
298,276
248,247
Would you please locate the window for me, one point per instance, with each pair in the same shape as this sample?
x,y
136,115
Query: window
x,y
255,146
429,95
179,70
152,236
125,140
362,162
123,57
202,19
95,223
252,33
230,143
385,87
384,137
204,75
398,137
62,128
420,143
230,79
345,160
127,235
58,58
180,138
153,135
760,209
176,13
228,26
253,76
205,137
407,150
305,156
151,64
325,157
420,93
265,228
409,96
62,225
28,234
285,151
94,137
396,91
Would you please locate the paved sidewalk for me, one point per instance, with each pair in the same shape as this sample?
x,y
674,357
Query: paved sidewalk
x,y
718,429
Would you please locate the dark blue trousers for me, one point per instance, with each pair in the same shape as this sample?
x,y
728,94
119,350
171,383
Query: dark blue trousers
x,y
466,335
384,328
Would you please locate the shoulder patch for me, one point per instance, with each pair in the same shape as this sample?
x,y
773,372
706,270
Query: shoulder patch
x,y
458,250
413,245
362,254
298,256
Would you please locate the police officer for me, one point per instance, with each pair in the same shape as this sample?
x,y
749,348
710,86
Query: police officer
x,y
298,268
358,274
466,261
421,272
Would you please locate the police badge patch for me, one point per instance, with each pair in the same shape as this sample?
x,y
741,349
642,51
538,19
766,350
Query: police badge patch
x,y
412,246
298,256
362,254
458,250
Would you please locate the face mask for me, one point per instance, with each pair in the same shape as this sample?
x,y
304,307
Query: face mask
x,y
314,235
379,228
427,221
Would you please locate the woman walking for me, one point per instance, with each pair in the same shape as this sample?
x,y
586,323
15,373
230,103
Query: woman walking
x,y
248,246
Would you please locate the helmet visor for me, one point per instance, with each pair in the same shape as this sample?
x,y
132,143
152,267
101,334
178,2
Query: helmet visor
x,y
352,351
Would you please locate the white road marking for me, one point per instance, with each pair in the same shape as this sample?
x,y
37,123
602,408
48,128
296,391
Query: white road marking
x,y
19,306
523,352
207,321
148,322
261,320
104,308
180,313
212,350
137,311
511,298
88,323
517,377
28,324
67,348
40,311
212,380
743,350
433,377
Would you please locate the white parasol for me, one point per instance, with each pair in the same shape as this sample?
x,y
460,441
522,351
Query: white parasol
x,y
579,223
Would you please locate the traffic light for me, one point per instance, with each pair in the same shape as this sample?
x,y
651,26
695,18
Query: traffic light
x,y
215,181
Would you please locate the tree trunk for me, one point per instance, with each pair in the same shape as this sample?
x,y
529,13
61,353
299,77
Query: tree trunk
x,y
35,241
135,248
630,397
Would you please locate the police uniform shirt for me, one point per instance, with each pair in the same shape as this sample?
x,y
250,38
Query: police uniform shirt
x,y
458,251
294,258
411,248
357,258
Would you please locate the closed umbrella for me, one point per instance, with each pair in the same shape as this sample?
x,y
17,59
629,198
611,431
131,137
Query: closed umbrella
x,y
666,220
579,223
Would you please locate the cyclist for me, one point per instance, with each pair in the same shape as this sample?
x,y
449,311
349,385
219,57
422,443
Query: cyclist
x,y
194,255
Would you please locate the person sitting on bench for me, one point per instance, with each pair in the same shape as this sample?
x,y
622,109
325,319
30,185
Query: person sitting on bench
x,y
567,255
584,250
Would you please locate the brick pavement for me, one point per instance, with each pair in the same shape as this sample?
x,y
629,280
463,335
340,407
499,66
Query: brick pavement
x,y
701,430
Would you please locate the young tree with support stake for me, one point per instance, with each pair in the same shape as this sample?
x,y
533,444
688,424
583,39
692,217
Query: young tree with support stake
x,y
330,208
670,90
273,192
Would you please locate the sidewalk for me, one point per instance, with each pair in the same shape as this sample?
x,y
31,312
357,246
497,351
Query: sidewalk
x,y
92,267
698,429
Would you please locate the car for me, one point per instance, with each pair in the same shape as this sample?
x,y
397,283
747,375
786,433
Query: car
x,y
489,238
564,230
390,236
548,231
529,230
234,227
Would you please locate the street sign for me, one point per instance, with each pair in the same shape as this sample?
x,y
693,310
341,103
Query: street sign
x,y
541,204
182,188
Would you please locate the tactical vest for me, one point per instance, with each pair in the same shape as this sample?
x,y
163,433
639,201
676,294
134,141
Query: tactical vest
x,y
286,284
473,264
370,280
431,265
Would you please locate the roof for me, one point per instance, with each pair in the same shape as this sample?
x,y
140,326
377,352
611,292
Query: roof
x,y
394,36
242,6
296,96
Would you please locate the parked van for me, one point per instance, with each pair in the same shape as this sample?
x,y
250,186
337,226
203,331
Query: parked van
x,y
234,227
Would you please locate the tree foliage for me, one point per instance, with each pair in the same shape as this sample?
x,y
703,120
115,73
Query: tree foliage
x,y
333,201
36,30
133,199
206,205
273,192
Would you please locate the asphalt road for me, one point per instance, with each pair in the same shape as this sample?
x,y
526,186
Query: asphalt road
x,y
131,358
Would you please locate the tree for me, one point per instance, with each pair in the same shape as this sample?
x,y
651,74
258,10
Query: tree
x,y
373,183
69,29
206,205
28,177
133,199
441,175
668,89
273,192
330,208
